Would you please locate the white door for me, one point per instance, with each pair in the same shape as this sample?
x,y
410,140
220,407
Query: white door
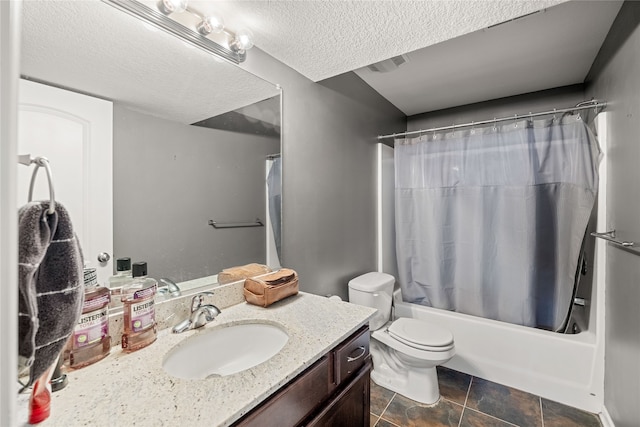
x,y
74,132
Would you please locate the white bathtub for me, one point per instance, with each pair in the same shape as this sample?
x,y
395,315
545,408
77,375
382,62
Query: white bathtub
x,y
563,368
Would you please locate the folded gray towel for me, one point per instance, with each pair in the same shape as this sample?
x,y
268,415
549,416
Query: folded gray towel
x,y
50,285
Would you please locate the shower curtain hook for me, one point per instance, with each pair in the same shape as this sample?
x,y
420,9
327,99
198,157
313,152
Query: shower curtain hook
x,y
434,135
473,129
515,120
495,124
554,115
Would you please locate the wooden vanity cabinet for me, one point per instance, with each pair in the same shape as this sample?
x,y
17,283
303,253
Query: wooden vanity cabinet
x,y
333,392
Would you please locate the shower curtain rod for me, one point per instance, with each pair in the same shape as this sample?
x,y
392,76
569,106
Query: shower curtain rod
x,y
580,106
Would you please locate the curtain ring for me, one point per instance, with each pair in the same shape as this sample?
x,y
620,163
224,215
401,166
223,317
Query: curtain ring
x,y
473,129
515,121
554,116
495,124
434,135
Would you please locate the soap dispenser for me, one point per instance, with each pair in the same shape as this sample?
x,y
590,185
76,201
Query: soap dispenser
x,y
139,309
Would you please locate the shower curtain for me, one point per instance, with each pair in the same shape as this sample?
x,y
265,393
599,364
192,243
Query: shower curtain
x,y
490,221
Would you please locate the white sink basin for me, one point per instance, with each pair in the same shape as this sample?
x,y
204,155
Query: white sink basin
x,y
224,351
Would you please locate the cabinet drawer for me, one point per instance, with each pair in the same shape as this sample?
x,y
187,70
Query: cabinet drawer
x,y
352,354
294,401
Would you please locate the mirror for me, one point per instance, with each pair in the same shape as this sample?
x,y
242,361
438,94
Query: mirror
x,y
195,138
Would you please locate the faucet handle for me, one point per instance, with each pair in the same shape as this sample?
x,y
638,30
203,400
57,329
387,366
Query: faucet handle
x,y
196,301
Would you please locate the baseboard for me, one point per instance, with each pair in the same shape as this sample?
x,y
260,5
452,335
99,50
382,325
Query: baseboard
x,y
605,418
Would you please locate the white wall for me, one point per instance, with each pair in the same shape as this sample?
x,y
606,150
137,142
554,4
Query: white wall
x,y
387,261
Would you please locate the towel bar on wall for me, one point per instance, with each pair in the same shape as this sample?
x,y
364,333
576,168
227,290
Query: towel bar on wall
x,y
610,236
215,224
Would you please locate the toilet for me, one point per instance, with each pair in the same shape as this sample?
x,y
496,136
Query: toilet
x,y
405,351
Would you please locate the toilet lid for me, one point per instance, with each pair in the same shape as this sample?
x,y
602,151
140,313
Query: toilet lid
x,y
418,333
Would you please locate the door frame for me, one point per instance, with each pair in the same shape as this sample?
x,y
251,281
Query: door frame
x,y
10,20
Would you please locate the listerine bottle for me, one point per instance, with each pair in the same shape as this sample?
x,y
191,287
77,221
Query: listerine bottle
x,y
90,340
139,309
122,277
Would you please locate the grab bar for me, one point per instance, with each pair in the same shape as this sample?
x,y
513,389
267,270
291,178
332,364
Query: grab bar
x,y
215,224
610,236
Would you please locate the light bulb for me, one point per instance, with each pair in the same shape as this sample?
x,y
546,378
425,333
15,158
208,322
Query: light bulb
x,y
211,24
243,40
172,6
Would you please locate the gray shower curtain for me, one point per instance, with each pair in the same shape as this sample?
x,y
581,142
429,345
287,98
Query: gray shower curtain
x,y
489,222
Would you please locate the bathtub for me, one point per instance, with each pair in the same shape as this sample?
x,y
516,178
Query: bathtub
x,y
565,368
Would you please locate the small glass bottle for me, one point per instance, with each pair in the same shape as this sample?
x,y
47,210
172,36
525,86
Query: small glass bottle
x,y
122,277
90,341
139,310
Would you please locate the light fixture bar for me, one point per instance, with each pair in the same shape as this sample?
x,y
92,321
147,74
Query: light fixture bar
x,y
156,18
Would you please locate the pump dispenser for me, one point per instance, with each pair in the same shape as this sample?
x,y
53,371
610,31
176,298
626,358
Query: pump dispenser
x,y
139,309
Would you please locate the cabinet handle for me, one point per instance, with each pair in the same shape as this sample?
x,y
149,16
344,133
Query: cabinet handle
x,y
362,352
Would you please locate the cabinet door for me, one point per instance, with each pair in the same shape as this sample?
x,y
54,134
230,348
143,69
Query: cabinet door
x,y
295,401
350,407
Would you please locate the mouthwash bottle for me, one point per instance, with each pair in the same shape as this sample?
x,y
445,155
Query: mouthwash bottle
x,y
90,341
139,309
122,277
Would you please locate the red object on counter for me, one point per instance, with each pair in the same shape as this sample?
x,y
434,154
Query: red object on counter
x,y
40,403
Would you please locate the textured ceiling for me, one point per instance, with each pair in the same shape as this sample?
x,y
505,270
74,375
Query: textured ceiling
x,y
94,48
91,47
544,50
322,39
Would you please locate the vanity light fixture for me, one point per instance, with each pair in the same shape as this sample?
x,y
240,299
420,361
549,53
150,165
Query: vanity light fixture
x,y
211,24
242,40
172,6
229,45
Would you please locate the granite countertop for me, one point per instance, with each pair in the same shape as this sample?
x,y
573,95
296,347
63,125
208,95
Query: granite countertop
x,y
133,389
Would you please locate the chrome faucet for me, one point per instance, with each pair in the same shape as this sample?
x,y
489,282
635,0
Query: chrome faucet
x,y
169,287
201,314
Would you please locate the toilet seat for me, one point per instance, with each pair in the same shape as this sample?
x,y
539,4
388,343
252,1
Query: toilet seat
x,y
421,335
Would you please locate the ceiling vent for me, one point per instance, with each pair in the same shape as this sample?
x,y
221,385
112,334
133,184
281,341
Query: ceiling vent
x,y
388,64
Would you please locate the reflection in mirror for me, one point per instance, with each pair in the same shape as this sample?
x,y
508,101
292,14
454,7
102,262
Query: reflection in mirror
x,y
170,178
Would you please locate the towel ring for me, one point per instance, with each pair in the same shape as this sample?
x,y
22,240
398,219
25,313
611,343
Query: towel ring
x,y
43,162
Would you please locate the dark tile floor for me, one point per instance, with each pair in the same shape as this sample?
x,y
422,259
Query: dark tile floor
x,y
468,401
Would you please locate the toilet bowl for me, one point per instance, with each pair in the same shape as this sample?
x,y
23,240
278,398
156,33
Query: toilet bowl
x,y
405,351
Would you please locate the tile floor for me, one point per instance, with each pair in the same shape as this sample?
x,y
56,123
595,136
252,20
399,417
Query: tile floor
x,y
468,401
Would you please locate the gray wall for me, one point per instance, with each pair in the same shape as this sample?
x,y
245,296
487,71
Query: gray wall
x,y
170,179
521,105
615,77
329,185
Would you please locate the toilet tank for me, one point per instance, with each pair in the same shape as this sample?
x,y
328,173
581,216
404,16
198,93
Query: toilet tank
x,y
373,290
